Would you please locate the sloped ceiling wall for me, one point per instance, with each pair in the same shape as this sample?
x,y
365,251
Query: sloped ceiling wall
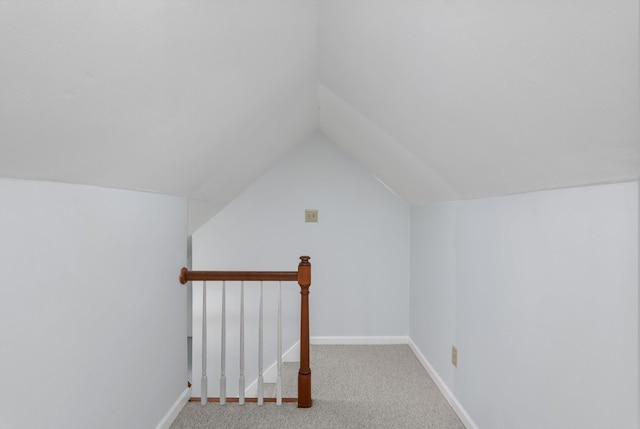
x,y
441,99
462,99
194,98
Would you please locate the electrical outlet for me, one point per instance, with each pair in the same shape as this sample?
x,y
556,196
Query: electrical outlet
x,y
454,356
311,215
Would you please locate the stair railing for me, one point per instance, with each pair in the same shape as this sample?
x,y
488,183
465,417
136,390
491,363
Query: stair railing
x,y
303,277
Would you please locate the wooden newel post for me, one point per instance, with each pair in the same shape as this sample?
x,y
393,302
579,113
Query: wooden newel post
x,y
304,375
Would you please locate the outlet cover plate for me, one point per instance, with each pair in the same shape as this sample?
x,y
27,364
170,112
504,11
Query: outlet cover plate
x,y
311,215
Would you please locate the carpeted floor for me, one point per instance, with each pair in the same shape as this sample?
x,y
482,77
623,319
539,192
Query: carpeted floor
x,y
352,387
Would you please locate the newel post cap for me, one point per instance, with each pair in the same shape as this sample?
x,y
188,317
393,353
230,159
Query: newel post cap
x,y
304,272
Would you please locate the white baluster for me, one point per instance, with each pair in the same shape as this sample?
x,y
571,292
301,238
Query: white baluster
x,y
241,381
279,379
260,378
223,346
203,381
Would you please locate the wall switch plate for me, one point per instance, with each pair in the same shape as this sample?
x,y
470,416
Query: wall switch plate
x,y
454,356
311,215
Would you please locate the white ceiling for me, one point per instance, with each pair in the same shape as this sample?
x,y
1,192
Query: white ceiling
x,y
190,98
465,99
441,99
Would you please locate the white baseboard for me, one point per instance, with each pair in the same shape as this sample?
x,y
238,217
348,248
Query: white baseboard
x,y
174,410
271,374
448,395
358,340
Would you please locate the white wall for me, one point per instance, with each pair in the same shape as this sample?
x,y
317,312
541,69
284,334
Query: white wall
x,y
539,292
433,281
359,248
92,317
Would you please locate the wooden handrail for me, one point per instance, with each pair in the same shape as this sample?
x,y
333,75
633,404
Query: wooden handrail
x,y
303,277
285,276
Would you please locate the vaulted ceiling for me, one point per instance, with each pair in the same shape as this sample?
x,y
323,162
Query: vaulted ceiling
x,y
441,99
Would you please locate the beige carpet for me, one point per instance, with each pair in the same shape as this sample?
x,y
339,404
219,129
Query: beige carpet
x,y
352,387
